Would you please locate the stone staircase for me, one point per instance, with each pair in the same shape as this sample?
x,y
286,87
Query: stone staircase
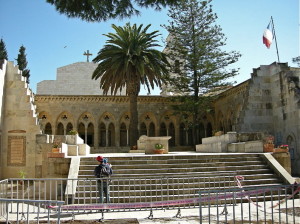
x,y
145,178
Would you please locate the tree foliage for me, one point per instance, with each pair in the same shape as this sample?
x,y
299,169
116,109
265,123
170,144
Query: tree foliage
x,y
195,46
102,10
297,60
22,63
127,60
3,51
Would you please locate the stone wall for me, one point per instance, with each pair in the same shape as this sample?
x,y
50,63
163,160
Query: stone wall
x,y
19,126
74,79
2,82
269,104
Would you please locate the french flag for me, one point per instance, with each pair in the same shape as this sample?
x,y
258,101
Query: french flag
x,y
268,36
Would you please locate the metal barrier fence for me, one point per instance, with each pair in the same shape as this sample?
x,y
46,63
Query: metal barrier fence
x,y
123,191
271,204
3,194
22,205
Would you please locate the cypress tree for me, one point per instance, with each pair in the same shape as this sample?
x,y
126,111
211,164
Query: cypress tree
x,y
199,63
22,63
3,52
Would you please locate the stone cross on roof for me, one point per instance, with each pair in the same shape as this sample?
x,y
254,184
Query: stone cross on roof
x,y
87,54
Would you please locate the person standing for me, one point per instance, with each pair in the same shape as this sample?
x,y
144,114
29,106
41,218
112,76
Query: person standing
x,y
103,171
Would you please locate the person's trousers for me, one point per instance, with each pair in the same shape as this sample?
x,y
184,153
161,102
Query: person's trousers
x,y
103,189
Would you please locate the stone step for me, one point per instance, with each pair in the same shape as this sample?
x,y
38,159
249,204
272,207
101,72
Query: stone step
x,y
187,169
158,185
174,165
158,198
166,158
168,177
208,172
204,174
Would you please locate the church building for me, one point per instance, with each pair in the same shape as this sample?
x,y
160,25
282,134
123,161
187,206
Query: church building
x,y
268,102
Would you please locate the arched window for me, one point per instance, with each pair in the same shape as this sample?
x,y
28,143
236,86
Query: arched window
x,y
143,129
123,135
182,140
172,134
163,129
102,135
90,135
48,129
60,129
201,132
209,130
151,130
81,131
69,127
111,135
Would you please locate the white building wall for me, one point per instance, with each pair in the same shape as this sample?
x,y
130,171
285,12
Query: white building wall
x,y
74,79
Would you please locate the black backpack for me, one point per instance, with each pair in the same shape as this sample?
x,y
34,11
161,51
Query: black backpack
x,y
102,171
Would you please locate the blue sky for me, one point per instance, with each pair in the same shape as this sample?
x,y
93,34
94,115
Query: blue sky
x,y
52,40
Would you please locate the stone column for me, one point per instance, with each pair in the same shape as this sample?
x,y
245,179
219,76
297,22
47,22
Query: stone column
x,y
117,134
96,136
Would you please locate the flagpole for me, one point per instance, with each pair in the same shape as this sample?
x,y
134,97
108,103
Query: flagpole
x,y
275,38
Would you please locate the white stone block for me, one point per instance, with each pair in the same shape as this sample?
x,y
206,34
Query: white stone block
x,y
83,149
236,147
64,148
72,150
216,147
254,146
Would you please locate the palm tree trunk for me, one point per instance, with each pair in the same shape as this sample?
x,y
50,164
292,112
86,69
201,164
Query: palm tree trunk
x,y
133,92
133,125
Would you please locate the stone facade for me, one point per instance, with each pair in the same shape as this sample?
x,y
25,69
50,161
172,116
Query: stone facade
x,y
75,79
268,103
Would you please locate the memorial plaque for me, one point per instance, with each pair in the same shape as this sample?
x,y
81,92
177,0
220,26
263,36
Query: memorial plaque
x,y
16,151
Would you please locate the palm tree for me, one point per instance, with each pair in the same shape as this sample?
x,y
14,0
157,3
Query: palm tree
x,y
128,60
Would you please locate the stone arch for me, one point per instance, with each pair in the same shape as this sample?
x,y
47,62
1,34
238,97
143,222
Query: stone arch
x,y
228,123
45,119
111,135
163,129
123,135
201,131
107,130
107,118
171,130
87,131
81,130
125,119
209,130
69,127
291,141
143,129
182,134
220,122
90,134
188,132
124,129
65,118
86,118
48,129
102,134
60,129
147,118
151,129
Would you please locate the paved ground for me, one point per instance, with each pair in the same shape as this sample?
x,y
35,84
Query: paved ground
x,y
264,213
188,216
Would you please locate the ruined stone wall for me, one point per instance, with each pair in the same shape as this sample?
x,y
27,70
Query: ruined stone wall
x,y
273,107
19,126
3,64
